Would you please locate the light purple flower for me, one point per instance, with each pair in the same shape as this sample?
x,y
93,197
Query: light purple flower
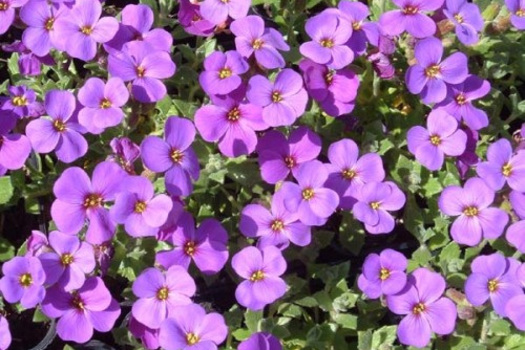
x,y
279,156
217,11
493,277
222,72
159,294
252,38
363,31
205,245
173,156
261,269
282,101
425,309
148,336
503,166
125,152
466,18
476,220
90,307
61,131
23,281
190,18
517,201
7,13
347,171
516,235
515,307
430,75
374,201
78,198
69,262
517,9
144,66
261,341
14,148
22,102
5,334
310,199
102,104
329,35
410,18
190,327
441,138
383,273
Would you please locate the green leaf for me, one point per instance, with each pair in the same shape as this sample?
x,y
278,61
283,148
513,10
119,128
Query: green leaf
x,y
251,319
6,189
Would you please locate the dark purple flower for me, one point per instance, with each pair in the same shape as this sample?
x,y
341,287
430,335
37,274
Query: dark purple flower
x,y
28,63
5,334
425,309
222,72
383,273
279,156
430,75
261,341
466,18
103,255
476,219
252,38
69,262
469,158
217,11
190,327
125,152
102,104
493,277
22,102
90,307
173,156
363,31
382,65
517,9
23,281
410,18
205,245
374,201
190,18
261,269
7,13
14,148
148,336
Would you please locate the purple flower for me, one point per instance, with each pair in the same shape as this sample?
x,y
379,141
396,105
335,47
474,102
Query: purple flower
x,y
7,13
517,9
282,101
61,132
261,269
261,341
310,199
191,19
383,274
84,29
279,156
329,35
222,72
232,122
5,334
206,245
136,208
252,38
14,148
78,198
275,227
217,11
22,102
503,166
23,281
69,262
458,102
466,18
37,244
148,336
347,172
515,307
425,309
382,65
410,18
125,152
159,294
144,66
28,63
442,137
356,13
469,158
334,90
173,156
374,201
90,307
493,277
517,201
189,327
516,235
102,104
430,75
476,220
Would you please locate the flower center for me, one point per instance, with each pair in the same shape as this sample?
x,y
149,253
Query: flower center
x,y
357,25
176,156
225,73
375,205
459,18
327,42
277,225
329,78
59,125
86,30
196,18
493,285
257,276
308,194
257,43
234,114
192,338
141,71
25,280
471,211
384,274
418,308
66,259
290,162
349,174
19,101
92,201
4,6
506,170
190,248
410,10
461,99
435,140
276,97
163,293
432,71
105,103
78,303
520,13
140,207
49,23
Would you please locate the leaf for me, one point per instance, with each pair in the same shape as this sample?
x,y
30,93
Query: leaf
x,y
251,319
6,189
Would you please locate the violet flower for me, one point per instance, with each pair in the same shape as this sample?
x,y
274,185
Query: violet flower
x,y
279,156
173,156
517,9
363,31
261,341
217,11
190,18
469,158
517,201
37,243
5,334
515,307
190,327
516,235
466,18
14,148
148,336
383,273
7,13
430,75
425,309
476,220
28,63
261,269
23,281
410,18
22,102
222,72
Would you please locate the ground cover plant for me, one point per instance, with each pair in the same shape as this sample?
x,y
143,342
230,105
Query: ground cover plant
x,y
262,175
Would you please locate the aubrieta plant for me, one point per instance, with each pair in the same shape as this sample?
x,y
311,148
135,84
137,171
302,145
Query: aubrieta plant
x,y
262,175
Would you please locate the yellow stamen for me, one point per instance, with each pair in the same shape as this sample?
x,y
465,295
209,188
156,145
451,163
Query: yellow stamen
x,y
329,77
59,125
506,170
471,211
432,71
192,339
418,308
176,156
141,71
328,43
384,274
225,73
50,22
105,103
308,194
276,97
435,140
3,6
163,293
349,174
459,18
257,276
140,207
375,205
78,303
289,161
493,285
234,114
277,225
19,101
257,44
92,201
66,259
25,280
461,99
86,30
410,10
357,25
520,13
189,248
